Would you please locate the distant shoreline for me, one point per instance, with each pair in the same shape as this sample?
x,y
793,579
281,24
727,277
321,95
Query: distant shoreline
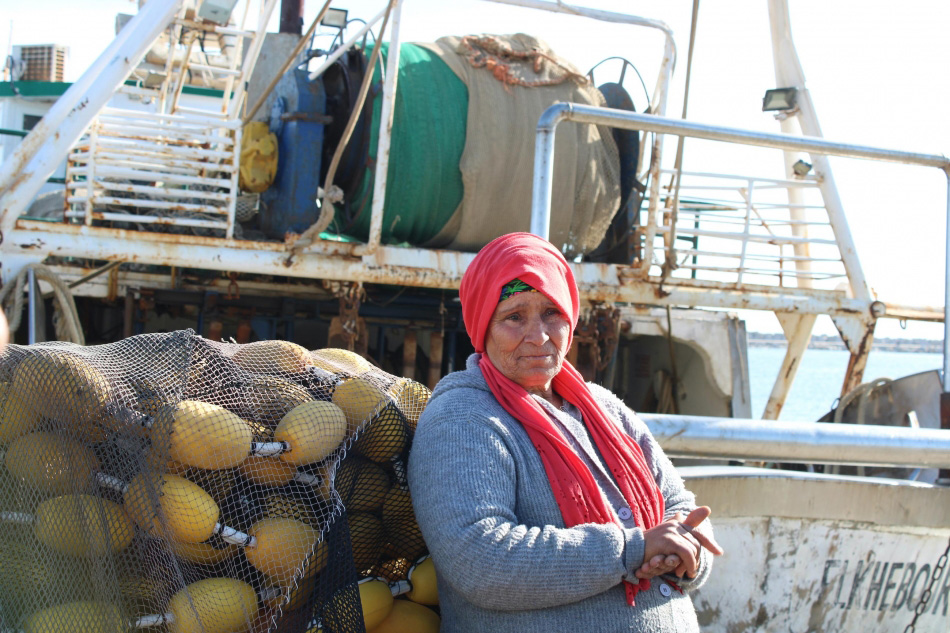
x,y
824,341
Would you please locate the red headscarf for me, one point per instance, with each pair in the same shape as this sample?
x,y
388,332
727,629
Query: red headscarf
x,y
536,262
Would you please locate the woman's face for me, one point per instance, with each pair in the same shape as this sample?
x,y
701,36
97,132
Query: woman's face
x,y
527,340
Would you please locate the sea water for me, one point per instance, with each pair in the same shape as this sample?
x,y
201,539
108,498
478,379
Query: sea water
x,y
817,384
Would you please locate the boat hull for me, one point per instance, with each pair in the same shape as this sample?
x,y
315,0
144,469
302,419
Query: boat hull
x,y
822,553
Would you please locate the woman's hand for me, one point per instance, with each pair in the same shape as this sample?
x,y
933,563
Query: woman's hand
x,y
678,537
657,566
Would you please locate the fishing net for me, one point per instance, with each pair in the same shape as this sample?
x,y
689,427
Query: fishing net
x,y
168,482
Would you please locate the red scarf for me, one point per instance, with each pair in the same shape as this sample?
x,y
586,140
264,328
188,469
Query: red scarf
x,y
537,263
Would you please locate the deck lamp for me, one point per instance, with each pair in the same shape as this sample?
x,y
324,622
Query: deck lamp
x,y
801,168
154,79
335,18
217,11
779,99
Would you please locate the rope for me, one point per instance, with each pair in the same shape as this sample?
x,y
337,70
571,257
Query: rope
x,y
331,192
669,262
67,325
493,54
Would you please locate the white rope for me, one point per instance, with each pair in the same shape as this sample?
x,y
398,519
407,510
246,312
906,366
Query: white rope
x,y
67,327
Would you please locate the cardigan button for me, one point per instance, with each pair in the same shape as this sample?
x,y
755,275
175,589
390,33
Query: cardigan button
x,y
624,514
665,590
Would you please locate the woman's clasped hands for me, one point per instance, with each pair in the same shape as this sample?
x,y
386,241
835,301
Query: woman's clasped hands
x,y
675,545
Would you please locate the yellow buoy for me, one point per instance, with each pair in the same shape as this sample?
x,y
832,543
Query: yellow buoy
x,y
411,398
267,471
273,356
340,361
86,616
63,387
82,525
294,596
267,399
376,600
313,430
409,617
424,587
384,437
401,527
359,399
284,506
362,485
17,417
168,502
213,605
51,463
202,435
284,547
366,536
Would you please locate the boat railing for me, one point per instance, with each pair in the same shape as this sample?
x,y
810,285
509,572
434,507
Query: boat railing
x,y
743,230
855,317
693,436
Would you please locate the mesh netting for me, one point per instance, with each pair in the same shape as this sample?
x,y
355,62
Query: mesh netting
x,y
167,482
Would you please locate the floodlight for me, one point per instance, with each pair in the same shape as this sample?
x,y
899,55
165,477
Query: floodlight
x,y
801,168
335,18
779,99
217,11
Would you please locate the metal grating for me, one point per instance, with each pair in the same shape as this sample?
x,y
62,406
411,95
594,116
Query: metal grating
x,y
43,63
741,231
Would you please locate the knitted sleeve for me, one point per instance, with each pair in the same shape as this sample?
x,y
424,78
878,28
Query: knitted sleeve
x,y
462,476
675,495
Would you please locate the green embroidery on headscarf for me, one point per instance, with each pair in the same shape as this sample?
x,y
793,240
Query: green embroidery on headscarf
x,y
513,287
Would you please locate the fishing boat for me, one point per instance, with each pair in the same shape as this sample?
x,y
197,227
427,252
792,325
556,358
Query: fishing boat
x,y
255,185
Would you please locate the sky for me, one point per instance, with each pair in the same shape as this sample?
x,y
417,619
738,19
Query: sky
x,y
876,72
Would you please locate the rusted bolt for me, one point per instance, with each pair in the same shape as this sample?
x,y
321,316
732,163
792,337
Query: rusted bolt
x,y
878,309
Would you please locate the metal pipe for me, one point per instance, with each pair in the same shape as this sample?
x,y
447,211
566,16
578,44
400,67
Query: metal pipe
x,y
789,72
37,157
664,125
800,442
387,110
32,298
291,16
544,168
946,299
547,123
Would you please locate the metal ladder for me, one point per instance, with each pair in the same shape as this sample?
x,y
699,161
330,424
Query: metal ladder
x,y
166,163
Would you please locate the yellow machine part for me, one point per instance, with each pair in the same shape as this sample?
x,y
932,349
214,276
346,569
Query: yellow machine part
x,y
258,157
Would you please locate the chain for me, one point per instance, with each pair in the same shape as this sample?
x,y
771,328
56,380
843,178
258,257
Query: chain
x,y
925,596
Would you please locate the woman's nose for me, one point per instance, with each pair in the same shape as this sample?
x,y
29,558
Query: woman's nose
x,y
537,332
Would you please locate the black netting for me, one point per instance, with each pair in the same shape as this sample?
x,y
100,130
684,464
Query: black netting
x,y
171,482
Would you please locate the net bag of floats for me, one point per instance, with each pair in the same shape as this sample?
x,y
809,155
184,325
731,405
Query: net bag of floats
x,y
169,483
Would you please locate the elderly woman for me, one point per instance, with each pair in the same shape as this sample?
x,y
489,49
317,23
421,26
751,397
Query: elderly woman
x,y
546,504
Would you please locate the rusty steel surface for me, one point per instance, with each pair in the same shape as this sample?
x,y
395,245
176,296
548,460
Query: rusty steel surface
x,y
428,268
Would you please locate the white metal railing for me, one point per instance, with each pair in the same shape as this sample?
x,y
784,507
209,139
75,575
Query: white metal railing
x,y
155,169
739,230
171,164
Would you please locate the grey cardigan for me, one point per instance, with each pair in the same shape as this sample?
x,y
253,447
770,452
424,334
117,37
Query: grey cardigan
x,y
503,557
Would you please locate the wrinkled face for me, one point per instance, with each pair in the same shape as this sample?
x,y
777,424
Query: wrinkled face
x,y
527,340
